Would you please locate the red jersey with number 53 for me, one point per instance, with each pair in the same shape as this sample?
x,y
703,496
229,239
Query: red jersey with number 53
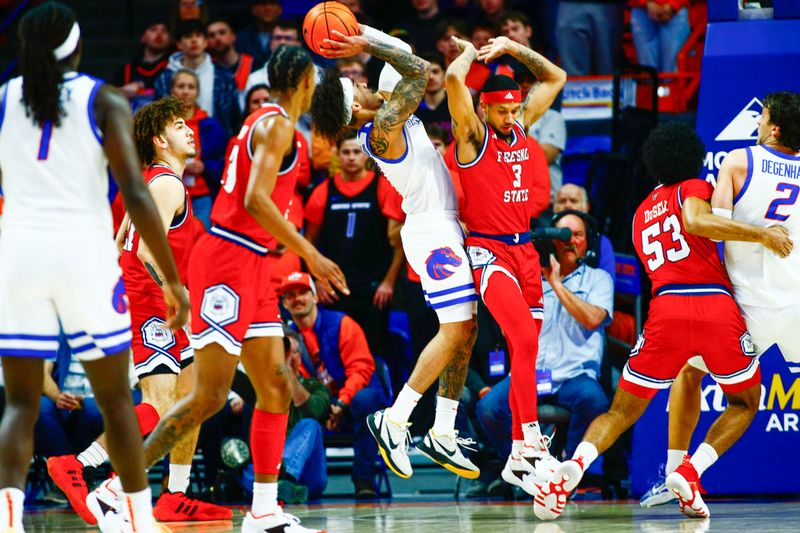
x,y
497,185
671,255
180,236
229,216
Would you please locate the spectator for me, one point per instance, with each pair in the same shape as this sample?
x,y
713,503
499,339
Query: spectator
x,y
203,172
217,90
348,219
426,16
221,41
578,302
304,453
439,137
283,32
357,9
659,27
189,10
339,357
589,35
571,196
255,38
257,96
490,11
138,77
353,68
517,27
433,107
481,33
550,131
445,30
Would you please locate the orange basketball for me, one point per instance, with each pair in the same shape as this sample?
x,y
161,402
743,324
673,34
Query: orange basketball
x,y
325,17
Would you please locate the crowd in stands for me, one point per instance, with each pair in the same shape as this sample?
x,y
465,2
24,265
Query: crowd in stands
x,y
345,354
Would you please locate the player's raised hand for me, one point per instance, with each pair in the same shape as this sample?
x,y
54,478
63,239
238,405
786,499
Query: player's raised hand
x,y
777,240
499,46
462,44
343,45
327,271
177,302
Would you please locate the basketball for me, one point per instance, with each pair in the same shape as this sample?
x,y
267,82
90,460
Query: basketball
x,y
325,17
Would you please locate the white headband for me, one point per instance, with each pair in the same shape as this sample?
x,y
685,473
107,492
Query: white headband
x,y
388,79
349,94
66,48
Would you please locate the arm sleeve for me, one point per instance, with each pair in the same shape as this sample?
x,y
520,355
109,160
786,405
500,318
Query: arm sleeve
x,y
390,200
318,402
356,358
315,207
601,293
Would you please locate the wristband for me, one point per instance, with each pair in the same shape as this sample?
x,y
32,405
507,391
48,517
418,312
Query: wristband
x,y
722,212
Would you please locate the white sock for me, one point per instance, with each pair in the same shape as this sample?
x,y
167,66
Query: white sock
x,y
179,478
587,452
406,401
674,460
265,498
516,448
703,457
139,509
445,421
11,515
532,434
94,455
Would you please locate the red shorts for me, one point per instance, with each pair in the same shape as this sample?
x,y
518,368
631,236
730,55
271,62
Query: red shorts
x,y
680,326
520,262
232,296
156,348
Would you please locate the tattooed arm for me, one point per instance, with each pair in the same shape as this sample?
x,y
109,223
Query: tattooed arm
x,y
467,127
549,78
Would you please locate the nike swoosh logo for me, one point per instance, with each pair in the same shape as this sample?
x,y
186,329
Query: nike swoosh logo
x,y
520,474
532,461
447,452
389,434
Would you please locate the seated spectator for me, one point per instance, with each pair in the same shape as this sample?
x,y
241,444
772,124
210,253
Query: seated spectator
x,y
433,109
589,36
339,358
659,27
481,33
478,72
203,172
517,27
578,303
217,95
353,68
426,16
138,77
490,11
304,462
283,32
255,38
348,219
571,196
221,41
550,131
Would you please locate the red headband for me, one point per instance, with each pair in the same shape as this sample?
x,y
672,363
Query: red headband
x,y
503,96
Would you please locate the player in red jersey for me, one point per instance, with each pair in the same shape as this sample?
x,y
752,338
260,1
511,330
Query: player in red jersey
x,y
164,143
692,313
497,176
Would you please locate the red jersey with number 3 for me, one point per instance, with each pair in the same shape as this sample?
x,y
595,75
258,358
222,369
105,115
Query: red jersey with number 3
x,y
670,254
229,216
180,236
497,185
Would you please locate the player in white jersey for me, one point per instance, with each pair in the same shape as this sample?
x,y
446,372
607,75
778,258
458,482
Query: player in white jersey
x,y
432,237
59,132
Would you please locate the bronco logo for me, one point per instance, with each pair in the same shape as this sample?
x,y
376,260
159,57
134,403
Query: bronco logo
x,y
439,261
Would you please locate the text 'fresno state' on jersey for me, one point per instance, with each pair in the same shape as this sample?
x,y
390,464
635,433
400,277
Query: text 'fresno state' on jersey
x,y
229,217
497,184
670,254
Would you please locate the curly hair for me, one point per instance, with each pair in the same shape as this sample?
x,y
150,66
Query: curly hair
x,y
673,152
784,112
152,120
327,107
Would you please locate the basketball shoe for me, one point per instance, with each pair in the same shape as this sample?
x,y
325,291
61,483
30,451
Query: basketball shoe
x,y
658,494
177,507
11,510
67,473
274,522
446,450
392,442
550,502
685,482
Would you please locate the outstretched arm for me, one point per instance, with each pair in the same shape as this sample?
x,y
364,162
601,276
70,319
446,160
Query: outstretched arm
x,y
467,127
550,78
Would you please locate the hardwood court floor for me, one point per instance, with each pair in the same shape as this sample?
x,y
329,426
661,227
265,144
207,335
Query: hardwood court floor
x,y
445,516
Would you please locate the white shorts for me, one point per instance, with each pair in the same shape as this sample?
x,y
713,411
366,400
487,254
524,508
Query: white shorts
x,y
434,247
768,326
64,280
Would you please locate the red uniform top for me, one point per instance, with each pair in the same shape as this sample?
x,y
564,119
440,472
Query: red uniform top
x,y
497,185
181,236
229,217
671,256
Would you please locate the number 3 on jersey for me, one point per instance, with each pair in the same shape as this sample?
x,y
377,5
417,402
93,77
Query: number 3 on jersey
x,y
651,246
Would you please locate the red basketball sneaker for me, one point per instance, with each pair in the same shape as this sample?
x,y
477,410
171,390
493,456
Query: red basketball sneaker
x,y
177,507
67,473
550,502
685,482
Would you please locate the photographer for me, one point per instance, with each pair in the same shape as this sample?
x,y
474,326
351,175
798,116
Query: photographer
x,y
578,303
